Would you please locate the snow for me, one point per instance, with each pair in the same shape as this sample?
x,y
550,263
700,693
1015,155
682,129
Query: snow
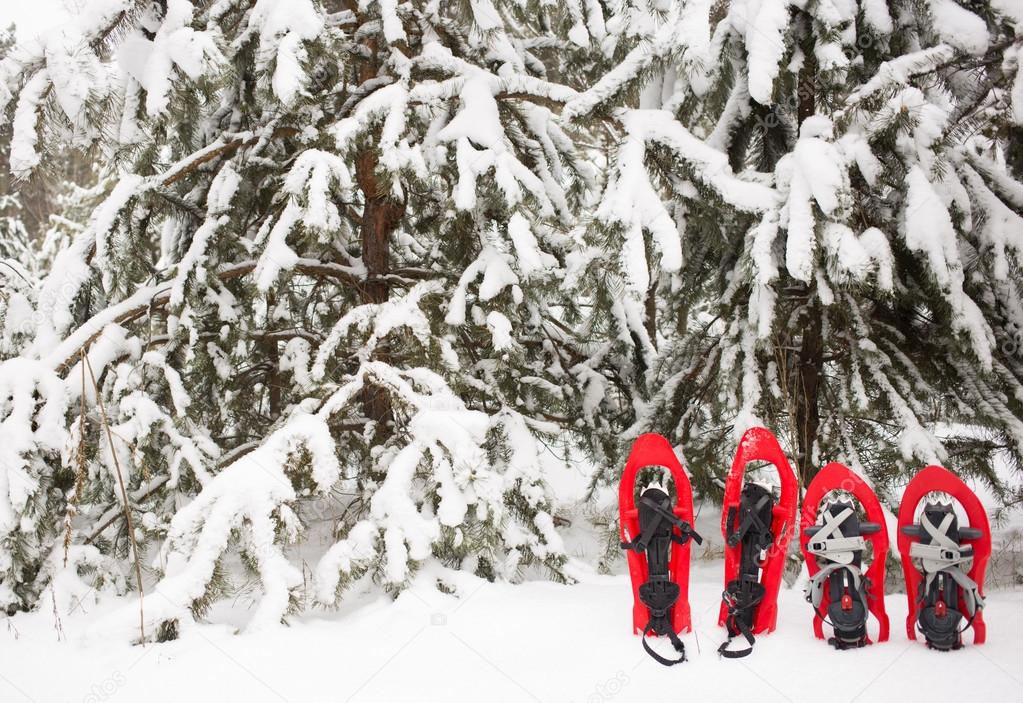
x,y
710,165
380,320
282,27
929,231
764,24
495,266
898,71
480,139
105,217
877,17
277,255
75,70
249,497
496,640
531,259
501,330
175,46
467,110
32,408
631,201
814,173
23,155
959,27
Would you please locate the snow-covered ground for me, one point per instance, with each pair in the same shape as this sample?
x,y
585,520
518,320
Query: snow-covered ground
x,y
536,641
496,642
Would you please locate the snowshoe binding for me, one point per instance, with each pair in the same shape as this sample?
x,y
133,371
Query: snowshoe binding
x,y
944,562
834,540
757,531
656,536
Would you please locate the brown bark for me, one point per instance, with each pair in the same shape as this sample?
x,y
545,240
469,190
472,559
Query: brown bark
x,y
811,347
650,306
807,87
273,357
811,361
380,218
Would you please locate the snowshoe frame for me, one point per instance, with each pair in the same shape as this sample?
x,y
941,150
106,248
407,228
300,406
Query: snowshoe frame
x,y
939,479
654,450
836,476
759,444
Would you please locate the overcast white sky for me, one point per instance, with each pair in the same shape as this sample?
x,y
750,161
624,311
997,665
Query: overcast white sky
x,y
33,16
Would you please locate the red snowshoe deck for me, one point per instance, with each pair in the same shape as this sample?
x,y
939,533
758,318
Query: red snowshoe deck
x,y
939,479
834,477
654,450
759,444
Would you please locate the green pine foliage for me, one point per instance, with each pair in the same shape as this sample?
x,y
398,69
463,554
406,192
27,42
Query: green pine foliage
x,y
352,275
325,253
849,268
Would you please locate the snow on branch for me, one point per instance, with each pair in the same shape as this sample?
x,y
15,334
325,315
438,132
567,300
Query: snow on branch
x,y
250,501
899,71
709,165
380,320
32,429
930,232
813,174
438,484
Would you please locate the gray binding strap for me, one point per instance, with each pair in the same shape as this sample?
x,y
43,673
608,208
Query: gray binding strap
x,y
819,581
943,553
939,534
839,549
945,556
971,594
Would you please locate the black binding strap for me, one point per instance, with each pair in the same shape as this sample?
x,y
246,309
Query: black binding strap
x,y
741,597
661,512
659,596
658,525
675,642
750,527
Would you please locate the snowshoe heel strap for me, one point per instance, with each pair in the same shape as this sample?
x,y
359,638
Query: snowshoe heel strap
x,y
659,596
847,609
941,627
659,529
741,597
675,642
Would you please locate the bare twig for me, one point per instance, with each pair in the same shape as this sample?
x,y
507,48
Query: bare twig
x,y
124,494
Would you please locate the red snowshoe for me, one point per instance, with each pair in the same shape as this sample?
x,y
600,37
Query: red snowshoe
x,y
656,537
757,533
833,540
944,562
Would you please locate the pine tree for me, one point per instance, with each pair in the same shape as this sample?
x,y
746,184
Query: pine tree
x,y
321,291
15,243
812,221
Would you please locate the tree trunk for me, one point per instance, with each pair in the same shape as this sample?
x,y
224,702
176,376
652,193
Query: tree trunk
x,y
650,309
811,343
380,217
811,361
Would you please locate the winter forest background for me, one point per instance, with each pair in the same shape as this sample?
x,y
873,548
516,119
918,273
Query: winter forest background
x,y
310,295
